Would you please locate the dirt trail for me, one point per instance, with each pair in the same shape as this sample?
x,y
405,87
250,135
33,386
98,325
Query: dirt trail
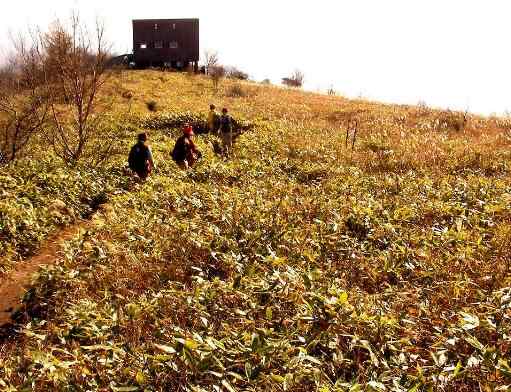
x,y
15,283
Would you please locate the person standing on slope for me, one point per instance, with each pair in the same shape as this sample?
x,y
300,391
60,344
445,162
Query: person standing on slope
x,y
140,159
226,132
185,153
212,119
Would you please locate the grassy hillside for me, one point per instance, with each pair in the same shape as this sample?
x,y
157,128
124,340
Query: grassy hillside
x,y
301,264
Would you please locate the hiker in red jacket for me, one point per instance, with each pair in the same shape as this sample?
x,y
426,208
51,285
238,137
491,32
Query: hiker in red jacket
x,y
185,153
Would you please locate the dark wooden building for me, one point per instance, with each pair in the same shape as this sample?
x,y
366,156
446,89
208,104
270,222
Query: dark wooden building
x,y
170,43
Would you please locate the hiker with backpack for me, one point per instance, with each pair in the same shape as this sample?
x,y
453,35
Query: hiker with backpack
x,y
140,159
226,132
185,153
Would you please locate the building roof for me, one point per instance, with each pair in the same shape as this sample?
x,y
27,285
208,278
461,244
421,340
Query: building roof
x,y
165,20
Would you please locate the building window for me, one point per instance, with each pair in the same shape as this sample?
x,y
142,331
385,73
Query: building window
x,y
173,26
158,45
173,45
143,45
156,26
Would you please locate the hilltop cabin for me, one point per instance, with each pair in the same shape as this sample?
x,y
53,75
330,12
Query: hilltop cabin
x,y
168,43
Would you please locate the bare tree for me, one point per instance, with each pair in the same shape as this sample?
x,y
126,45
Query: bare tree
x,y
233,72
295,80
211,60
217,73
24,103
78,62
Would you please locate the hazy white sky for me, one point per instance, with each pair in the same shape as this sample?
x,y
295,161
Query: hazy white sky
x,y
449,53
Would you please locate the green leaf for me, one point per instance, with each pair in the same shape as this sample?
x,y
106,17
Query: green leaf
x,y
504,368
123,389
167,349
140,378
278,378
343,298
377,386
457,369
469,321
474,343
228,386
97,347
191,344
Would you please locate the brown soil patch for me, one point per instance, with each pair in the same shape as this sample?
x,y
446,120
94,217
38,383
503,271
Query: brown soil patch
x,y
16,283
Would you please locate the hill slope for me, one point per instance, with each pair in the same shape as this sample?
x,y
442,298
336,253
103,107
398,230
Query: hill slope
x,y
305,263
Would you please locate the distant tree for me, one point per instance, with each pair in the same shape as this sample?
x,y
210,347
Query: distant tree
x,y
24,98
295,80
211,60
217,73
266,81
235,73
58,44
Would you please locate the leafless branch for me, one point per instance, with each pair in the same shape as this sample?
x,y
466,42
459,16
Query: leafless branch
x,y
79,60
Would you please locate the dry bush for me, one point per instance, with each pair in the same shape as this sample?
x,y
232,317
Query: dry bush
x,y
127,94
24,100
79,63
216,73
235,73
152,106
237,91
295,80
454,121
211,60
423,108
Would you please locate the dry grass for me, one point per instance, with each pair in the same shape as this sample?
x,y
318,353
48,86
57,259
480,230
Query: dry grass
x,y
301,264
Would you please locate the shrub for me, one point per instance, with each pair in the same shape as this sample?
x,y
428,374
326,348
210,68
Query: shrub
x,y
82,62
198,121
216,73
210,60
236,91
152,106
235,73
454,121
24,100
175,121
295,80
127,94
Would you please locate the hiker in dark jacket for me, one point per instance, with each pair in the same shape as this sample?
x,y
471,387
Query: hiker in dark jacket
x,y
140,159
185,153
226,131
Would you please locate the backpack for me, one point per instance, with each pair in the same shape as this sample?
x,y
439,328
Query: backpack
x,y
226,123
216,122
138,157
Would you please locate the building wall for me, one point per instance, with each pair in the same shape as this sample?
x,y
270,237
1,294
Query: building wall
x,y
166,40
